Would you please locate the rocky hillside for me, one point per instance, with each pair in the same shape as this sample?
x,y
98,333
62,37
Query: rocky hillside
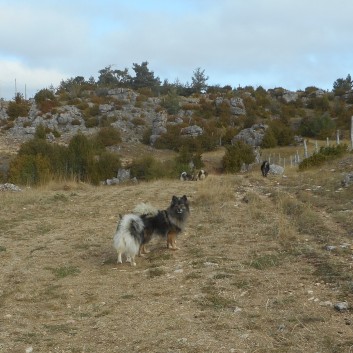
x,y
217,117
134,113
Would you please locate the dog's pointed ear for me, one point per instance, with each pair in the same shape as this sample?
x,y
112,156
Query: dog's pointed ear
x,y
174,199
184,198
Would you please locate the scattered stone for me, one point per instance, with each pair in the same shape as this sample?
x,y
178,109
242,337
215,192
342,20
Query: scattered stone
x,y
276,169
289,96
210,264
237,309
122,176
326,303
182,340
9,187
345,246
192,131
347,180
281,327
252,136
341,306
330,247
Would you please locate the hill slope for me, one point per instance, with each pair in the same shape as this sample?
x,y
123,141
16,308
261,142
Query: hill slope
x,y
252,275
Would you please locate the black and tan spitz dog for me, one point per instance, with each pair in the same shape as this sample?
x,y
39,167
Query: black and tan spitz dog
x,y
136,229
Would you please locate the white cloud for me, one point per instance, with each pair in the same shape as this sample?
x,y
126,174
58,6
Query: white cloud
x,y
28,81
255,42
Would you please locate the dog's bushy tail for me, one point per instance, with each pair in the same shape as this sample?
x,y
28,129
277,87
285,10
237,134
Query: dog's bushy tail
x,y
145,209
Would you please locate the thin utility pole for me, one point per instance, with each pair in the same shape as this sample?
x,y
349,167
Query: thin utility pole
x,y
352,132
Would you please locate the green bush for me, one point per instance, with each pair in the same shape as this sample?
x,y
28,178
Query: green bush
x,y
324,154
108,136
282,133
320,126
170,140
269,139
104,167
91,122
40,132
236,155
185,157
171,102
148,168
30,170
84,159
46,100
17,108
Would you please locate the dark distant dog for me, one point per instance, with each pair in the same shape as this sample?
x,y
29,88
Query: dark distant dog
x,y
265,168
184,176
136,230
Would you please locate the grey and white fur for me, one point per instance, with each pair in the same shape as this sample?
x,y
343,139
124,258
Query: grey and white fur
x,y
129,237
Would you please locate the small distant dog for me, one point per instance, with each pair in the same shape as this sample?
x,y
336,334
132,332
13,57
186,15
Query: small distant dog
x,y
265,168
184,176
136,230
202,174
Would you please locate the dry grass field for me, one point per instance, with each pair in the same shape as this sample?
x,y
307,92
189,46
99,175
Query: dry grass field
x,y
253,273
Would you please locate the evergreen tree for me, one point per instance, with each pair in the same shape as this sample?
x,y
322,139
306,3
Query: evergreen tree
x,y
198,81
342,86
144,77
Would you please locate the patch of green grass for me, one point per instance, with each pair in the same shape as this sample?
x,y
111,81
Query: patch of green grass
x,y
2,248
64,271
193,275
102,313
110,260
217,302
37,249
265,261
29,338
328,270
222,276
155,272
60,197
310,222
242,283
213,299
127,296
67,329
52,291
195,252
155,258
43,228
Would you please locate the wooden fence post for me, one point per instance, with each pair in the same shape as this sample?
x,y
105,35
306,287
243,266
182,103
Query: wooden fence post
x,y
305,149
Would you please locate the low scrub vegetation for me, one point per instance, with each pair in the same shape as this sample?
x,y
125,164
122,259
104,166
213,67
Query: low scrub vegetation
x,y
236,155
325,154
85,159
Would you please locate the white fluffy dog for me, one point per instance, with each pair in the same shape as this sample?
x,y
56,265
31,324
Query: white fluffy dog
x,y
128,237
129,234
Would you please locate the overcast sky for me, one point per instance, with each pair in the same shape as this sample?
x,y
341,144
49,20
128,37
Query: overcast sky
x,y
270,43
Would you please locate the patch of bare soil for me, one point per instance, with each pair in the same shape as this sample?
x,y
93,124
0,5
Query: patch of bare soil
x,y
251,275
